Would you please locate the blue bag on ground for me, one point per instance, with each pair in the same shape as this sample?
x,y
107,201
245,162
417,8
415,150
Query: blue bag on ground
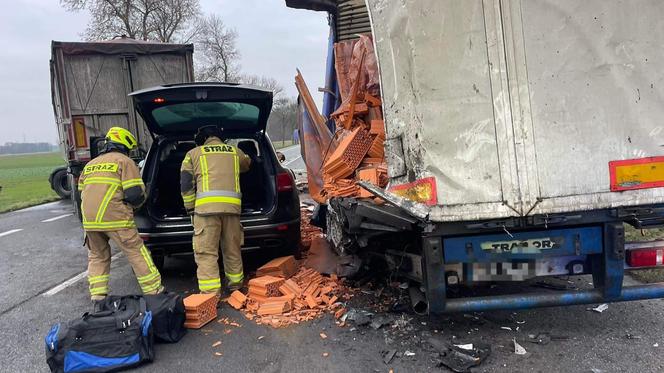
x,y
105,341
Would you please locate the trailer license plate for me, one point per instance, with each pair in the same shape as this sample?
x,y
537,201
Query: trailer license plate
x,y
534,245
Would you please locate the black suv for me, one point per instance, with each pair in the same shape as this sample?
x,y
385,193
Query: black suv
x,y
173,114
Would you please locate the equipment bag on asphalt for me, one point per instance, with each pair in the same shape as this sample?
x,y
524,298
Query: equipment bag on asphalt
x,y
168,313
105,341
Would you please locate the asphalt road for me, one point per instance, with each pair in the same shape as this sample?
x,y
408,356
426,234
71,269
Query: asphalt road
x,y
294,159
37,261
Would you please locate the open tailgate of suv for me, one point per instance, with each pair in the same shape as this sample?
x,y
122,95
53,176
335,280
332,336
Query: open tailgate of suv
x,y
182,108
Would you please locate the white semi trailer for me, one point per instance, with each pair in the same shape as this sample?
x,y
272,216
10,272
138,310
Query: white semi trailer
x,y
529,132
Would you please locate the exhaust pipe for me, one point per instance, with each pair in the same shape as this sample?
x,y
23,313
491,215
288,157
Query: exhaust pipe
x,y
418,301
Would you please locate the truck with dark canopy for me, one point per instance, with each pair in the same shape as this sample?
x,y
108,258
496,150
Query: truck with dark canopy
x,y
90,83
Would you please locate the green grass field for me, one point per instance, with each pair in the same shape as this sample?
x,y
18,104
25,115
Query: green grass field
x,y
24,179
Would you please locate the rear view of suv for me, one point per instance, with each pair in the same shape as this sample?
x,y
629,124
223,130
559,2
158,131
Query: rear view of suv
x,y
173,113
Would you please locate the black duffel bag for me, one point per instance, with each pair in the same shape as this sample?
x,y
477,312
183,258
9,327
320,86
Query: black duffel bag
x,y
168,313
105,341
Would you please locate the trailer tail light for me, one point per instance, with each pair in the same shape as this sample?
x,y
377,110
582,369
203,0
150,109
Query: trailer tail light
x,y
80,134
645,257
422,191
285,182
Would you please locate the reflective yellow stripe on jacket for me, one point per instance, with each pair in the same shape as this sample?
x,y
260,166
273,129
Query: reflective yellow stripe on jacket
x,y
215,196
131,183
109,225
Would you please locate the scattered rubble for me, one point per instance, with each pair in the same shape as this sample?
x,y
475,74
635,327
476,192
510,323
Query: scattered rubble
x,y
282,301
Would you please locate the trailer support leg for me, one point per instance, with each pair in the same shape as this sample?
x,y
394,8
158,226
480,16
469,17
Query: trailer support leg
x,y
434,273
608,267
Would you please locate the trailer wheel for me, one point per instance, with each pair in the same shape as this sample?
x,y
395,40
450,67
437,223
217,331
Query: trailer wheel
x,y
60,182
75,197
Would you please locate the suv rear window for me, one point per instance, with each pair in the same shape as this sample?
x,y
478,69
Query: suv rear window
x,y
190,115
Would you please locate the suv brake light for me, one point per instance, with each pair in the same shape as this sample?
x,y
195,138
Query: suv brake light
x,y
285,182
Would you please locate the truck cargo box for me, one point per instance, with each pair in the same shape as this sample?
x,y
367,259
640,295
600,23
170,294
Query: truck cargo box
x,y
520,107
90,82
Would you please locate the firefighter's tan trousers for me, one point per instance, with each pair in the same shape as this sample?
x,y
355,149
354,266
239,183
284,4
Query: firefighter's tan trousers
x,y
209,232
99,261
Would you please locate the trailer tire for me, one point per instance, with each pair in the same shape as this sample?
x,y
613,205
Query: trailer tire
x,y
75,197
60,182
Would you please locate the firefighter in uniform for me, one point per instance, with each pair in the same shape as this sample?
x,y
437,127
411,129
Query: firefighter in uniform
x,y
112,188
210,186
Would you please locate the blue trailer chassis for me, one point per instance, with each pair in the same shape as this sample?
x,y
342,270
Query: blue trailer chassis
x,y
600,248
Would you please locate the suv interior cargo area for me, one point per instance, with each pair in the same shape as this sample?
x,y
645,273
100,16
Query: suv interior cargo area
x,y
257,184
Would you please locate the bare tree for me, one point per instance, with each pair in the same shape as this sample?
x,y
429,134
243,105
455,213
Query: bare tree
x,y
171,17
283,119
160,20
217,57
263,82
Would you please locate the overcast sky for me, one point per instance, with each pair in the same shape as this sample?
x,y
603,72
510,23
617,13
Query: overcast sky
x,y
274,40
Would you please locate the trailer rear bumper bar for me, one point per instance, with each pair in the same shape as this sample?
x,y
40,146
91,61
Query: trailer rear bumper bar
x,y
526,301
606,258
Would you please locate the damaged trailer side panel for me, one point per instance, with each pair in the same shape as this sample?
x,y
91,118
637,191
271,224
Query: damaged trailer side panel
x,y
519,107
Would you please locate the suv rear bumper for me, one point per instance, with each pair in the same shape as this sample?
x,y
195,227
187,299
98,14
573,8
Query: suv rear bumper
x,y
273,236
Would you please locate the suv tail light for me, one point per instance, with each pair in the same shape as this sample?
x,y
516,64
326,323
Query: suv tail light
x,y
285,182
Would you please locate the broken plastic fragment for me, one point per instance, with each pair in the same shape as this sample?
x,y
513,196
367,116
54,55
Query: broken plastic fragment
x,y
601,308
468,346
518,349
458,359
506,328
388,356
408,353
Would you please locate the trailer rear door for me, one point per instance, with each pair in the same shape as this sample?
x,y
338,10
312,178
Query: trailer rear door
x,y
517,107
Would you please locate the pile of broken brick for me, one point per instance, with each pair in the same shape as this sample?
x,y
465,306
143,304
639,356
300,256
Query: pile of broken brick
x,y
356,152
285,293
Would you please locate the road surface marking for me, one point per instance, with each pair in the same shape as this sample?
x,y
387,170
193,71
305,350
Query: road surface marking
x,y
10,232
55,218
71,281
292,160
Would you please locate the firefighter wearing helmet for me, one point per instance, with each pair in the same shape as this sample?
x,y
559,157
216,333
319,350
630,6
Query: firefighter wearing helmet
x,y
111,189
210,186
